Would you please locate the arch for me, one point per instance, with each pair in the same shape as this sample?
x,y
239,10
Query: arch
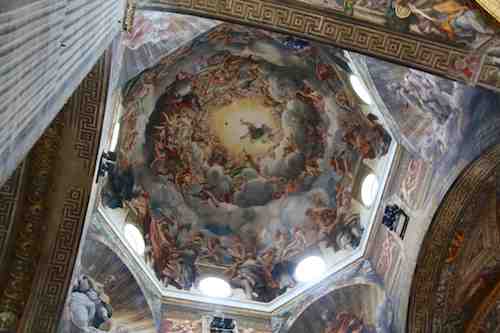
x,y
364,303
116,288
459,216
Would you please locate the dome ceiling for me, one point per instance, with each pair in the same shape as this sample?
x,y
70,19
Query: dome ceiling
x,y
240,154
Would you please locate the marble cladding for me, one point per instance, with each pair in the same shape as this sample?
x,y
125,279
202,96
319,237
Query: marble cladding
x,y
47,47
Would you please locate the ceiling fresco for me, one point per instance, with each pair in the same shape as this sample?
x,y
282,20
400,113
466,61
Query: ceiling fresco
x,y
357,308
355,295
155,35
457,21
238,155
433,117
429,111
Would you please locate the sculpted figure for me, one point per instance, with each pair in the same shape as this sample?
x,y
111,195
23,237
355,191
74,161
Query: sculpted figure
x,y
89,307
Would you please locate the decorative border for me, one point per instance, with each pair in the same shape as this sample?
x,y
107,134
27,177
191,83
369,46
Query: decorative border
x,y
434,247
128,20
31,224
490,77
9,195
70,198
60,266
330,27
86,101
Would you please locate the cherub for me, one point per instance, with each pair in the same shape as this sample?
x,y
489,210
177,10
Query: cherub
x,y
325,222
312,97
297,244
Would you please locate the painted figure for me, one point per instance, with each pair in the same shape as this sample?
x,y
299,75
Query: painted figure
x,y
89,306
423,92
195,188
255,133
451,20
370,141
459,22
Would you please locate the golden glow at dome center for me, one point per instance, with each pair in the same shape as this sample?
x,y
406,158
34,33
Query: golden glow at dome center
x,y
228,124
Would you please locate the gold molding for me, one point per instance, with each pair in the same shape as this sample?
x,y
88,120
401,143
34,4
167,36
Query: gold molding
x,y
128,20
491,6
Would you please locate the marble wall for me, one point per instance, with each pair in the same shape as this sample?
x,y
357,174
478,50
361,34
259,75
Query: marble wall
x,y
48,47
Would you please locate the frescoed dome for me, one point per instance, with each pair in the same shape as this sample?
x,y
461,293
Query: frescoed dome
x,y
238,154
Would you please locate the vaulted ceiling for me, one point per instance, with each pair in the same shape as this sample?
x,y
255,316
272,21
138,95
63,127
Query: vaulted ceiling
x,y
241,153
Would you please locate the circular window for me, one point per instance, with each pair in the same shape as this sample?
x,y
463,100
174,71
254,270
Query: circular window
x,y
369,189
310,268
360,89
214,287
134,238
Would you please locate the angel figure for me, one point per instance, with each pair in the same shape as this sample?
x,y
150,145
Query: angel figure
x,y
246,272
256,133
297,244
90,307
325,222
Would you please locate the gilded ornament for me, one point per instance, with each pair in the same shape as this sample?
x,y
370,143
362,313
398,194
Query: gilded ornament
x,y
128,23
492,7
403,11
